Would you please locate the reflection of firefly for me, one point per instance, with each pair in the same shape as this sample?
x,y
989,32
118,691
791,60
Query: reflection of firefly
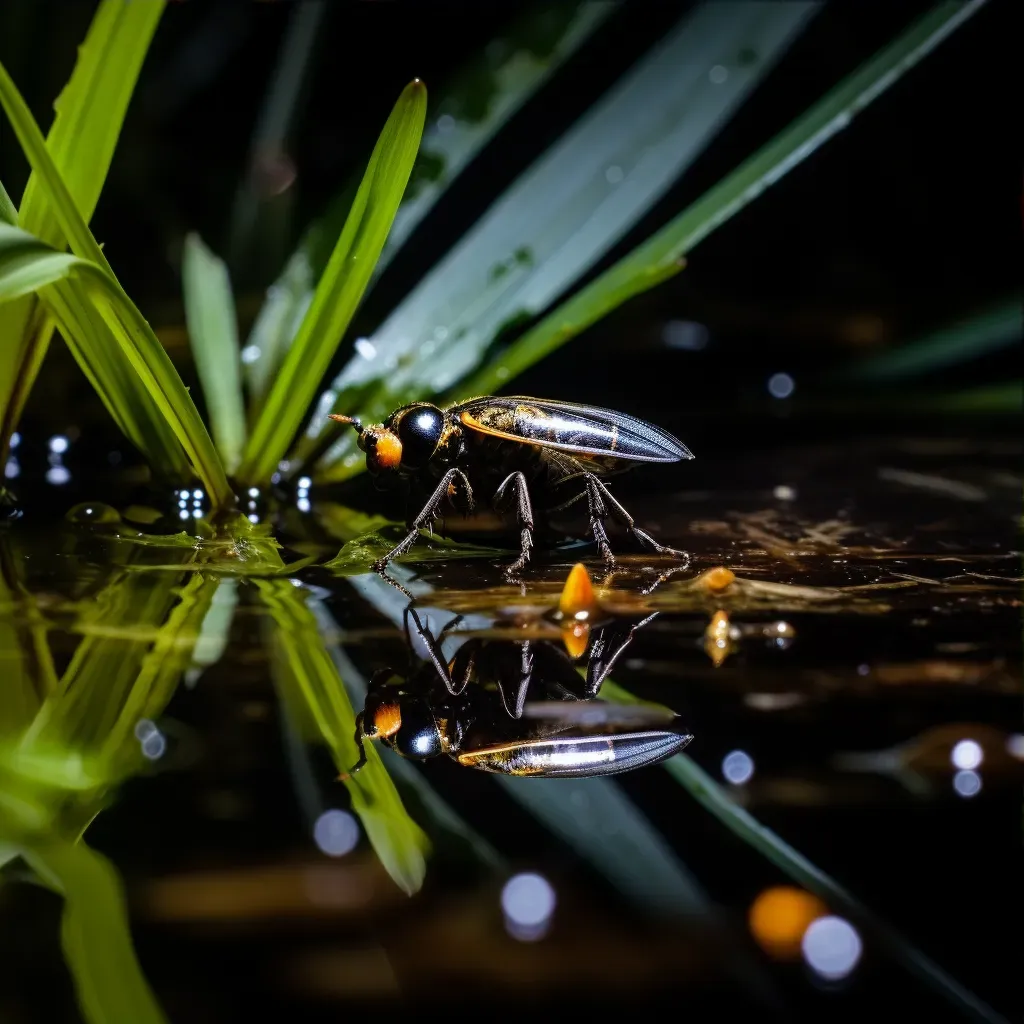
x,y
719,638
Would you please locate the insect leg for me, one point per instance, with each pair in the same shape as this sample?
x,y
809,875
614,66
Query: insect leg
x,y
427,514
464,664
597,515
522,684
359,743
641,535
525,514
434,652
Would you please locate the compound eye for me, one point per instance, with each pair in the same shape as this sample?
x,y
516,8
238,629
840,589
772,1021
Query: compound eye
x,y
420,430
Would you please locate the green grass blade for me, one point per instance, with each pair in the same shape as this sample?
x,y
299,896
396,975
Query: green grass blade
x,y
968,338
81,142
90,112
495,83
341,287
660,256
213,335
8,211
714,799
95,934
308,682
120,354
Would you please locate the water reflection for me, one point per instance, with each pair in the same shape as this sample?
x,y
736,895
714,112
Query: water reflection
x,y
474,708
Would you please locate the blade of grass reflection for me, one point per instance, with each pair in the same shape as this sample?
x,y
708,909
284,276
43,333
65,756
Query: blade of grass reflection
x,y
308,682
713,798
95,934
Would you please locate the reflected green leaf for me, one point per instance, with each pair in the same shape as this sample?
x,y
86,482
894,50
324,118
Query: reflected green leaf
x,y
109,982
358,555
308,683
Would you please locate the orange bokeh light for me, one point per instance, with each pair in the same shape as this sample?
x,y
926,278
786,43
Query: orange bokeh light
x,y
780,916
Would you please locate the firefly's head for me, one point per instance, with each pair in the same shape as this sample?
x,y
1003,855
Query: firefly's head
x,y
405,724
406,440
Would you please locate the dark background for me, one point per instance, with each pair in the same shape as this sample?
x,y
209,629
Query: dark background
x,y
905,222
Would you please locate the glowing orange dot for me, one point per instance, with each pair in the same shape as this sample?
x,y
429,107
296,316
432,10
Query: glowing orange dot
x,y
389,450
578,599
575,636
780,916
387,719
719,578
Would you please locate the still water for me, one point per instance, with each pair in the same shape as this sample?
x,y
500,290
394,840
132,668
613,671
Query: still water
x,y
838,835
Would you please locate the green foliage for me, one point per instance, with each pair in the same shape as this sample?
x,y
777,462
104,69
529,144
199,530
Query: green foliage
x,y
66,742
95,936
118,352
213,334
662,255
340,288
81,142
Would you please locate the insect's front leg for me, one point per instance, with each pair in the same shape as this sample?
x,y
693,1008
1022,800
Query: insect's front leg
x,y
427,514
524,513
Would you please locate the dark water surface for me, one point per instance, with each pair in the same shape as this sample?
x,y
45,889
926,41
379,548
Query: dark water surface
x,y
866,708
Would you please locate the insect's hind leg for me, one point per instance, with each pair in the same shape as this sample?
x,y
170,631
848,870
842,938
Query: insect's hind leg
x,y
603,494
524,512
597,517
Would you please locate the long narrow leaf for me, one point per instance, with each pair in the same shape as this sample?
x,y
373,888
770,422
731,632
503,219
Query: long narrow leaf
x,y
8,211
81,142
79,293
982,332
473,107
341,287
661,255
213,335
